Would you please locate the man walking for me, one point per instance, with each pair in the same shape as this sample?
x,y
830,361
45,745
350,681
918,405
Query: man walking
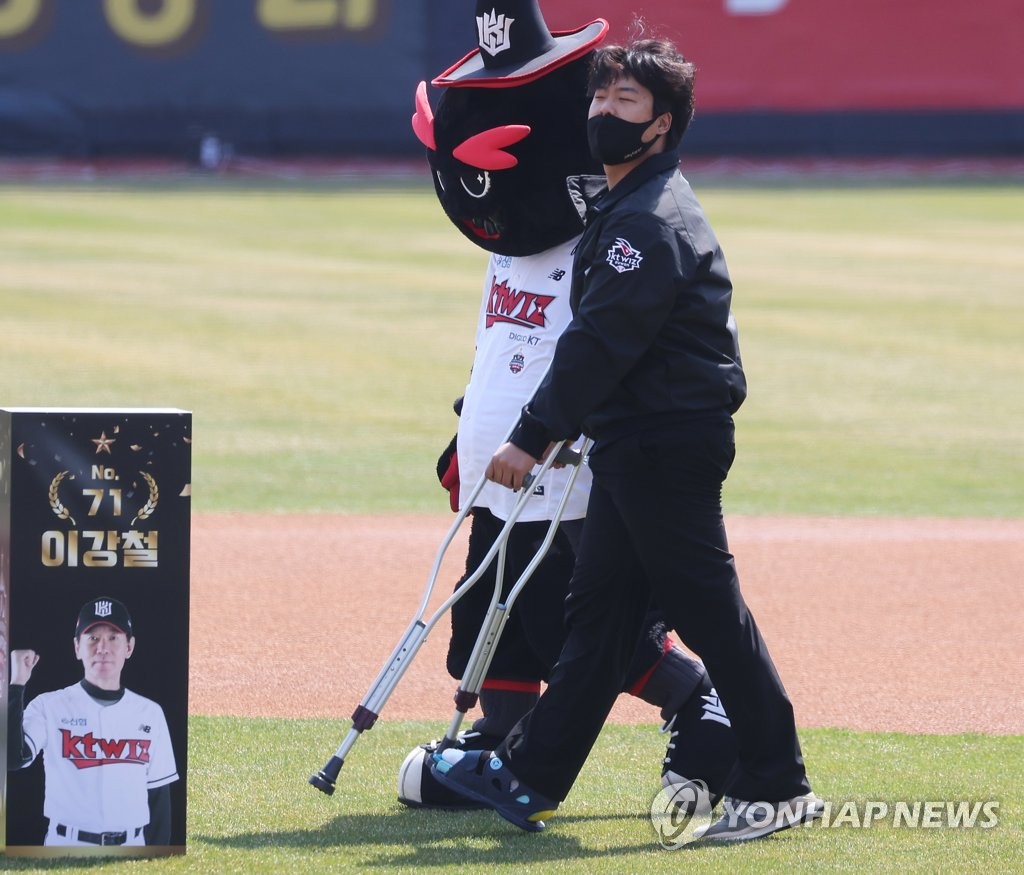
x,y
650,368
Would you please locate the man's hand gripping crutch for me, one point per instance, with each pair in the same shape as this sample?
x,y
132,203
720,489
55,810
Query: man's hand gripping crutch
x,y
368,710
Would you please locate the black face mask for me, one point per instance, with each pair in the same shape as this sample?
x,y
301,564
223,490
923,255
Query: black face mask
x,y
615,141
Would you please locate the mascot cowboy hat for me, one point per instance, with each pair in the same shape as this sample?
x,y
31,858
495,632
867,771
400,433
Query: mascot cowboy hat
x,y
515,46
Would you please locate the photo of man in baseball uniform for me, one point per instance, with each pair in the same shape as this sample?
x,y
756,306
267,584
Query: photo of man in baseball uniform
x,y
107,755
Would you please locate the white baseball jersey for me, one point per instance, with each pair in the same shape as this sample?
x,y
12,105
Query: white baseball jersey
x,y
525,309
99,760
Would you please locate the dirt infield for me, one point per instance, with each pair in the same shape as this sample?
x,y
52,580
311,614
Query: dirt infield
x,y
903,625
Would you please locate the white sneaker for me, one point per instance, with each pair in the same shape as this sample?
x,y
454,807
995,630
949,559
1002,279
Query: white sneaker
x,y
743,821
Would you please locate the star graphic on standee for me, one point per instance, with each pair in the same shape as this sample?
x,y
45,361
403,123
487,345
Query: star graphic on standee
x,y
103,443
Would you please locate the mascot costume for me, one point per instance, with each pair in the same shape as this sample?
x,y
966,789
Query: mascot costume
x,y
509,128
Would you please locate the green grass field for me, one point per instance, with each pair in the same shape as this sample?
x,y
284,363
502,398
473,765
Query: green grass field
x,y
319,334
251,811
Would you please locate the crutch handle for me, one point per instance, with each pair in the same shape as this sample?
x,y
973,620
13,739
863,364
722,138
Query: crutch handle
x,y
566,455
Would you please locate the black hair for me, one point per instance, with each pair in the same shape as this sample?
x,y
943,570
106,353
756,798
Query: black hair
x,y
657,65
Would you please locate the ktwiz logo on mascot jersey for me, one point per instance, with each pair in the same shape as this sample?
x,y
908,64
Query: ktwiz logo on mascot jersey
x,y
87,751
506,304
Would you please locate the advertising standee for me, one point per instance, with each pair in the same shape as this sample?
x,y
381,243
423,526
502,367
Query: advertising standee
x,y
94,617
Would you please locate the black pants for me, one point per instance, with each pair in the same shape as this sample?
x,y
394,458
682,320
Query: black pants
x,y
535,629
654,529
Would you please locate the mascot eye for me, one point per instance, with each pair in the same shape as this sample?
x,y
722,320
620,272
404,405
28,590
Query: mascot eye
x,y
477,183
486,150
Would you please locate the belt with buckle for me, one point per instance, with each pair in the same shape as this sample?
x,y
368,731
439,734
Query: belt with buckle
x,y
97,838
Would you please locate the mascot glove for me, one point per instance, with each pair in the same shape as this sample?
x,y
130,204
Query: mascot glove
x,y
448,473
450,481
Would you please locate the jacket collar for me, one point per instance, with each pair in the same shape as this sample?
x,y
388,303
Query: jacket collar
x,y
585,191
590,193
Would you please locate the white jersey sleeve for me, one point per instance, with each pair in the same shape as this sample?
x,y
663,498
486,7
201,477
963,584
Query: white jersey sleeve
x,y
525,309
100,760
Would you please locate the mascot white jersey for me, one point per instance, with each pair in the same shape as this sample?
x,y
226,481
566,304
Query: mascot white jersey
x,y
524,309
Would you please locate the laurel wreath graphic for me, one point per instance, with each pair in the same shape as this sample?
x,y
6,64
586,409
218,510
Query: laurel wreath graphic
x,y
154,498
55,503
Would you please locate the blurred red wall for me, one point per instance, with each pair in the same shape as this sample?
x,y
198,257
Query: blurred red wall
x,y
813,55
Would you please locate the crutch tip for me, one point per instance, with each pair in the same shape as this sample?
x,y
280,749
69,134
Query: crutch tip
x,y
325,778
322,783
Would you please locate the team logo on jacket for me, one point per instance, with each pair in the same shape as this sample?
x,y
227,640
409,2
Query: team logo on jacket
x,y
87,751
624,256
517,363
505,304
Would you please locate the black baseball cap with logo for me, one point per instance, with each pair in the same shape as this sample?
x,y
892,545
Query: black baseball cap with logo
x,y
104,610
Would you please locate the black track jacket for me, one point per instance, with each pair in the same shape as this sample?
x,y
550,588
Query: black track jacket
x,y
652,340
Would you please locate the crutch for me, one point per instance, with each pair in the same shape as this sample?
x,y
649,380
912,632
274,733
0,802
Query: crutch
x,y
468,692
368,710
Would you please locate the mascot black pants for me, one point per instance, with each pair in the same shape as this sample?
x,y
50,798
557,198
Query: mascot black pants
x,y
654,530
535,631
